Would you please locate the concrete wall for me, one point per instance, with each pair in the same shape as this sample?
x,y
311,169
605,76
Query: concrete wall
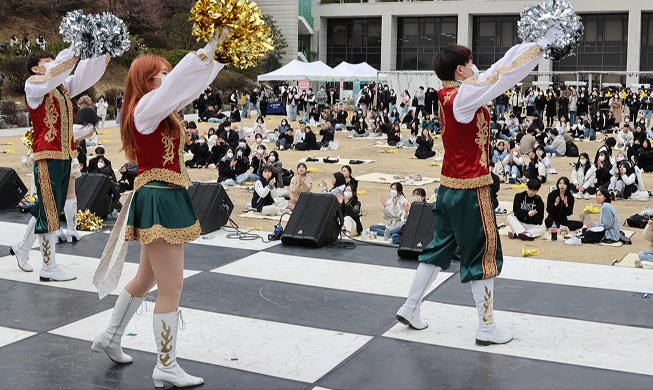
x,y
285,13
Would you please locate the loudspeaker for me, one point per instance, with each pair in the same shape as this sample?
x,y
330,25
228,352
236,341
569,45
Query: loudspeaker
x,y
96,193
212,205
315,221
418,230
12,189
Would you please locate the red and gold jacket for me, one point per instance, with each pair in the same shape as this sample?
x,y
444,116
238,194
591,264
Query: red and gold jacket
x,y
466,163
52,121
160,157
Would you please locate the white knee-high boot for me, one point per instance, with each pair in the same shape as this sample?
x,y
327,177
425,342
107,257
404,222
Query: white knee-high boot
x,y
21,249
167,370
109,340
70,209
488,333
50,270
409,313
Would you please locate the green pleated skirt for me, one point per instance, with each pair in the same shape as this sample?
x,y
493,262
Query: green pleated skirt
x,y
161,211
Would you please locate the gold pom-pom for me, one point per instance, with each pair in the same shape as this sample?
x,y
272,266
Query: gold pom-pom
x,y
589,209
530,252
8,151
258,228
521,186
28,139
9,143
86,220
436,164
391,151
312,170
361,192
104,141
104,133
250,40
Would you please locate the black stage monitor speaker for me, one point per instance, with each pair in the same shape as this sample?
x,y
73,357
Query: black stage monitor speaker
x,y
418,231
96,193
12,189
212,205
315,221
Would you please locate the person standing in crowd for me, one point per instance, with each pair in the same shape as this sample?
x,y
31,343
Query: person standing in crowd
x,y
161,216
516,102
119,99
48,93
101,109
420,95
321,99
254,102
40,42
263,103
463,213
364,100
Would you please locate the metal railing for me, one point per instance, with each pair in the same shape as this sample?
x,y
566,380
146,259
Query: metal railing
x,y
304,49
305,11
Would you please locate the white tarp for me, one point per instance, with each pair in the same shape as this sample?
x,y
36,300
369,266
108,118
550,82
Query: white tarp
x,y
298,70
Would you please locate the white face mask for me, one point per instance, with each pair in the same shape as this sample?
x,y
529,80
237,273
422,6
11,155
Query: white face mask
x,y
240,153
601,158
475,70
582,162
273,158
242,144
100,165
619,158
416,199
201,141
393,193
348,194
259,140
259,151
230,155
227,129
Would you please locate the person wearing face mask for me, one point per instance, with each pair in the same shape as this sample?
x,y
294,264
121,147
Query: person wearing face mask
x,y
558,146
463,212
419,196
583,177
242,144
321,99
536,168
277,167
217,152
513,166
301,182
230,134
393,212
201,153
351,211
341,117
310,141
258,160
337,185
624,180
260,127
607,147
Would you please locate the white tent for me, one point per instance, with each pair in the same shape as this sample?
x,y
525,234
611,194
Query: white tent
x,y
298,70
359,72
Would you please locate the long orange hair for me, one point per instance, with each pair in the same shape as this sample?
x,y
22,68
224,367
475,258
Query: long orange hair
x,y
139,82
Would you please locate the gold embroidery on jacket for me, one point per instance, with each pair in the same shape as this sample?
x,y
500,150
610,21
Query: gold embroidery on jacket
x,y
482,137
51,118
169,154
49,204
529,55
489,259
449,95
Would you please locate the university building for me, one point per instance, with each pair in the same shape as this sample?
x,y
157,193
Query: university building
x,y
404,35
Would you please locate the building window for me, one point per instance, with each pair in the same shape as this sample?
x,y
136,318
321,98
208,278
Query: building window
x,y
603,46
492,37
646,51
419,39
354,41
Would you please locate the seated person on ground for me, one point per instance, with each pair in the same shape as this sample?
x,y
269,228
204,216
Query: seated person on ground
x,y
338,185
394,212
558,146
624,180
528,209
513,166
351,210
310,141
301,182
583,176
607,230
560,206
424,145
646,257
419,195
201,153
266,199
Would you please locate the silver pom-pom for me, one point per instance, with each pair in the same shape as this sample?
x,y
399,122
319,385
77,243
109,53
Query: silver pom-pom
x,y
94,36
536,21
111,35
77,29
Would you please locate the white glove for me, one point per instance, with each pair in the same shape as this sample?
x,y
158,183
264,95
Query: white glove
x,y
218,39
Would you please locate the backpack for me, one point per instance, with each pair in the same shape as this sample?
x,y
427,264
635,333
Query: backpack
x,y
286,176
637,221
572,150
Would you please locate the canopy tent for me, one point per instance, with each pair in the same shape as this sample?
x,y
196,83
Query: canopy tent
x,y
359,72
298,70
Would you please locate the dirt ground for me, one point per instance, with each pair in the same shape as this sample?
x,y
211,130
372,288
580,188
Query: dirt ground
x,y
399,163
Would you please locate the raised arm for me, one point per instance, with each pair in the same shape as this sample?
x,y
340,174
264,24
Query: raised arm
x,y
56,72
87,74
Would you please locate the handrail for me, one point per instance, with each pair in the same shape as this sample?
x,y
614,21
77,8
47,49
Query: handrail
x,y
305,11
305,50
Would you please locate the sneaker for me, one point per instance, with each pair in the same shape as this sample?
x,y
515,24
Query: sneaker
x,y
500,211
573,241
55,274
586,196
578,195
